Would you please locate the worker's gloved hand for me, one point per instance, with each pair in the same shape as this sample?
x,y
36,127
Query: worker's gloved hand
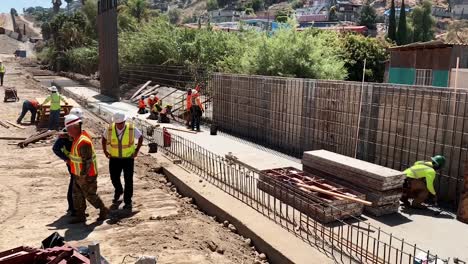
x,y
135,154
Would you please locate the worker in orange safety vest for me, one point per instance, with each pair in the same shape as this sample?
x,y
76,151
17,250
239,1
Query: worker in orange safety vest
x,y
142,106
83,167
196,110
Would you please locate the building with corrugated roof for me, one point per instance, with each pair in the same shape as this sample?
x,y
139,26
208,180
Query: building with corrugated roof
x,y
430,63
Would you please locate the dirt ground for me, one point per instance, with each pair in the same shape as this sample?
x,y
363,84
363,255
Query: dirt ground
x,y
33,186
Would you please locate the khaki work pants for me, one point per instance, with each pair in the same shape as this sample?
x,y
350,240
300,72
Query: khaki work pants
x,y
416,189
85,189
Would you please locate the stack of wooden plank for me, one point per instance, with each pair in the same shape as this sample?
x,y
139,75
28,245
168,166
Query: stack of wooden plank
x,y
289,185
382,186
44,112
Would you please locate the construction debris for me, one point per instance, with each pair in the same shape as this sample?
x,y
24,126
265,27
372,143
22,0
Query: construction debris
x,y
15,125
382,186
44,112
36,138
139,90
12,138
4,125
322,200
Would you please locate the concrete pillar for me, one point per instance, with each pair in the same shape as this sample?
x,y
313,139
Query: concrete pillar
x,y
108,48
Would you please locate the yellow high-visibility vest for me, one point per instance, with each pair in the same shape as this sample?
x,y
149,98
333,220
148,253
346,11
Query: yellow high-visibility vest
x,y
124,147
421,170
2,69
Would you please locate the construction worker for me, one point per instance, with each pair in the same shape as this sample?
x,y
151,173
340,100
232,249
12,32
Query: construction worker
x,y
152,101
196,110
188,114
83,167
419,182
54,98
142,106
2,72
62,148
118,143
164,113
29,106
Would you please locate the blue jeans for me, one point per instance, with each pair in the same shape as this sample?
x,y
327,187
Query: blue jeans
x,y
54,118
27,107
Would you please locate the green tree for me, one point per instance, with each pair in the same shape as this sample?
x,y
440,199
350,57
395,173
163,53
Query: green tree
x,y
391,33
402,34
46,31
174,15
90,11
368,16
211,5
423,22
356,49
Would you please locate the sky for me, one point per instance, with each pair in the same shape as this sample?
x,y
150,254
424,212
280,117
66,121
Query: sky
x,y
6,5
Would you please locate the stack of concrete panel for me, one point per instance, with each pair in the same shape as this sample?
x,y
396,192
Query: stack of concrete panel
x,y
382,186
282,184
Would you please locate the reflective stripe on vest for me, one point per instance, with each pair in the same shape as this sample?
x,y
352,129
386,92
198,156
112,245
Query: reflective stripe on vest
x,y
76,162
419,170
123,147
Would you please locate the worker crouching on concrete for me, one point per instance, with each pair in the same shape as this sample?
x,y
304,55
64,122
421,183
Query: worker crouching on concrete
x,y
155,107
142,106
118,143
83,167
61,149
29,106
2,72
164,113
54,98
419,182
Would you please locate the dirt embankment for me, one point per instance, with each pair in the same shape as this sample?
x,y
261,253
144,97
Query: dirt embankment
x,y
33,186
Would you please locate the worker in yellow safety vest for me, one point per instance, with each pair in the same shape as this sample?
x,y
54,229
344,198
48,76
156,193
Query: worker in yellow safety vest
x,y
54,98
83,167
2,72
118,143
419,182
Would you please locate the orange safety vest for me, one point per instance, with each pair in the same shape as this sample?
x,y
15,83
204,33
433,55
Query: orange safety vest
x,y
189,101
76,162
141,104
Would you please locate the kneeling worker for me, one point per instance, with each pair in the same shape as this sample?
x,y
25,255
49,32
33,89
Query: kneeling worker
x,y
83,167
118,143
419,182
163,115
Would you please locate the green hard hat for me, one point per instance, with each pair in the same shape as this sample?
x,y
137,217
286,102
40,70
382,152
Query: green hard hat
x,y
439,160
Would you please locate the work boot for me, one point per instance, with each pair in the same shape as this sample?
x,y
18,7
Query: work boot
x,y
116,198
128,207
405,201
103,214
418,206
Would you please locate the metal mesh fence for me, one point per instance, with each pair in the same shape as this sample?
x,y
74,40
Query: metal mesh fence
x,y
390,125
345,241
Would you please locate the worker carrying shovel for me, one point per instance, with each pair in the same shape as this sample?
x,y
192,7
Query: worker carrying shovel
x,y
419,182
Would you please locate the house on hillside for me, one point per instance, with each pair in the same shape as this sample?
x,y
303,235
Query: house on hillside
x,y
224,15
347,10
430,63
459,8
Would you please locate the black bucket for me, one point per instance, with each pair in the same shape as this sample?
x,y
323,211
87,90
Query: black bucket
x,y
153,148
150,131
213,130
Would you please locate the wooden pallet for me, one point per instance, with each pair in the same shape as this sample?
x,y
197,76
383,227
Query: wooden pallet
x,y
282,184
42,117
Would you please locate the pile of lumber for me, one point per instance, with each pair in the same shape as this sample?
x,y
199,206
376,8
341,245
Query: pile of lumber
x,y
382,186
145,90
44,112
316,197
36,137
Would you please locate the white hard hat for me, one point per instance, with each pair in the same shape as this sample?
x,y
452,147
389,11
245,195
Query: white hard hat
x,y
194,91
71,120
76,111
53,89
119,117
152,97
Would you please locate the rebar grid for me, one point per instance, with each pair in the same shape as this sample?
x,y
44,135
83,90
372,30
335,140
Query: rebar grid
x,y
346,241
397,124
